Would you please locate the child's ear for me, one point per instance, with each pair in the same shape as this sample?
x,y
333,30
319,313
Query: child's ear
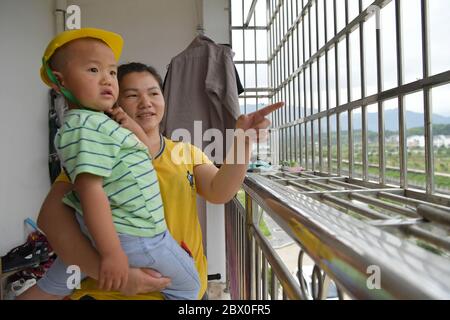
x,y
60,78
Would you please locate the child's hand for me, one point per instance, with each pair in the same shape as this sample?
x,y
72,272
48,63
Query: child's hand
x,y
125,120
113,273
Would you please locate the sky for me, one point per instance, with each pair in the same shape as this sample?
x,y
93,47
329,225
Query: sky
x,y
411,18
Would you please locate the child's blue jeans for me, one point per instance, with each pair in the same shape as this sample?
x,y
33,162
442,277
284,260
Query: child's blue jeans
x,y
161,253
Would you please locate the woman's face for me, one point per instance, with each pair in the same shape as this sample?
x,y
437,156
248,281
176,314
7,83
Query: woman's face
x,y
141,98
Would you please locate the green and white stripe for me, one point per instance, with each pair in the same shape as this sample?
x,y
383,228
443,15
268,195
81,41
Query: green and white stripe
x,y
90,142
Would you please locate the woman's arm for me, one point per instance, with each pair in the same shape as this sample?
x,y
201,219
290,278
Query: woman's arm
x,y
63,232
220,186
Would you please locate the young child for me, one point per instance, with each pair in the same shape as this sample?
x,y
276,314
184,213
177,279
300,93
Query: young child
x,y
116,193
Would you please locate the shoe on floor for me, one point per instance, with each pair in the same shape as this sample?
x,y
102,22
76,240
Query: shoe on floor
x,y
20,257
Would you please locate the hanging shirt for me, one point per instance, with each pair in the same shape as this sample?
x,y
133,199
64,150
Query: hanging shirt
x,y
201,86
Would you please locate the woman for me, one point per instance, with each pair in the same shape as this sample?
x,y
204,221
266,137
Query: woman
x,y
142,100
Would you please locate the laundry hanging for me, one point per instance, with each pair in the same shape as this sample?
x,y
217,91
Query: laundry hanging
x,y
201,85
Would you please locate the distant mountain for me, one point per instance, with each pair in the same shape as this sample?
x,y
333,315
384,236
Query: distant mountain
x,y
413,119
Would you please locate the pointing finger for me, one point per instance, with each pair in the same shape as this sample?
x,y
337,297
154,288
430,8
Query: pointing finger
x,y
269,109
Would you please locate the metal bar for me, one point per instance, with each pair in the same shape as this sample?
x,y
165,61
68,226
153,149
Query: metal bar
x,y
258,272
256,68
428,236
287,280
381,192
250,13
319,100
396,222
365,157
338,146
349,185
311,99
304,179
252,270
368,213
244,57
433,214
382,204
429,164
244,265
401,107
343,191
327,89
239,256
273,285
338,118
264,279
381,125
365,142
442,201
254,96
253,62
250,207
249,28
304,90
294,92
411,201
349,94
355,194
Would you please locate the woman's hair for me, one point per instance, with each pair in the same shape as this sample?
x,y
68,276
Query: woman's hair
x,y
127,68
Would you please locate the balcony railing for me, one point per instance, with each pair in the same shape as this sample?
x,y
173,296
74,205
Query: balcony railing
x,y
366,241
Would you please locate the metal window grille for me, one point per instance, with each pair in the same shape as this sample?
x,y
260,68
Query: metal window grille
x,y
327,60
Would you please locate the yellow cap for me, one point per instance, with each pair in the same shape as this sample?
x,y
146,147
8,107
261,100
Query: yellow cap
x,y
113,40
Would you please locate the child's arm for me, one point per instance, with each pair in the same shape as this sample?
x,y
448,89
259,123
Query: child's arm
x,y
113,271
220,185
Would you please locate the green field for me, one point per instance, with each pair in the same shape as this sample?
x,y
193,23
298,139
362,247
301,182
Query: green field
x,y
415,157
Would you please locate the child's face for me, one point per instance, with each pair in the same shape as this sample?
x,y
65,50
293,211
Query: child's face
x,y
90,74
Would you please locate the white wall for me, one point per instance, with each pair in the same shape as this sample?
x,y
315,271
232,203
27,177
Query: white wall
x,y
215,23
216,20
154,31
26,26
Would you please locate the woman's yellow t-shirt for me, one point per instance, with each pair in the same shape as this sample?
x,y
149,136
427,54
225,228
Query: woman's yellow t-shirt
x,y
175,168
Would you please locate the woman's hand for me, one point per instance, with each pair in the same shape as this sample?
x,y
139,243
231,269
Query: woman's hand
x,y
144,281
255,124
